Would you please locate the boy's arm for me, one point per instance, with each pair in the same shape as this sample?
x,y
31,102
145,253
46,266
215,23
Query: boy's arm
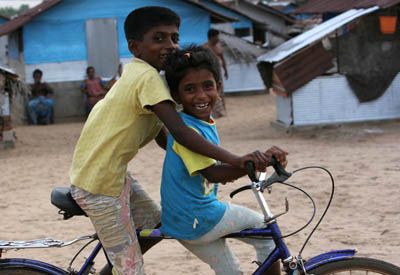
x,y
195,142
161,138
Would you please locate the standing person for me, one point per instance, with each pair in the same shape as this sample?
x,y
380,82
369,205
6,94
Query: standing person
x,y
191,211
112,81
129,117
40,106
214,45
94,89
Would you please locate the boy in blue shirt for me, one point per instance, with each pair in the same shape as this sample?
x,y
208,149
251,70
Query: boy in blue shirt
x,y
191,211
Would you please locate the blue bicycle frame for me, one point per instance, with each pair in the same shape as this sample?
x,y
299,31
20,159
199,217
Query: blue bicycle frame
x,y
292,265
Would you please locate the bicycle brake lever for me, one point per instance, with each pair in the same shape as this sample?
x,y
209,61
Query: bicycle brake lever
x,y
280,175
280,170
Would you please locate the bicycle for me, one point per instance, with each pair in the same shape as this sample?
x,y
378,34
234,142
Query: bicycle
x,y
331,262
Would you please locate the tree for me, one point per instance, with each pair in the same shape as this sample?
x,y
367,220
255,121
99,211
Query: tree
x,y
12,12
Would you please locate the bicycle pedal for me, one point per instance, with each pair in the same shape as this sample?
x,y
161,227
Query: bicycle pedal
x,y
257,263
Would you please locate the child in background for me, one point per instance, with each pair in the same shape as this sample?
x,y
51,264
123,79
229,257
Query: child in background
x,y
130,116
93,88
191,211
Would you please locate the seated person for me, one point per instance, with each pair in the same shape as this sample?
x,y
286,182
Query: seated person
x,y
191,211
40,105
93,88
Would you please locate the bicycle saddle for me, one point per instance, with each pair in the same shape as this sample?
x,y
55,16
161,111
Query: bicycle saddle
x,y
62,199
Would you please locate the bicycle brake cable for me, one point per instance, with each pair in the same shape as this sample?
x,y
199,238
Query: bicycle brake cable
x,y
327,205
79,252
312,216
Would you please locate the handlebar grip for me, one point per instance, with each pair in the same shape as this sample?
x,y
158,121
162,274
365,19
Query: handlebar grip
x,y
280,171
251,171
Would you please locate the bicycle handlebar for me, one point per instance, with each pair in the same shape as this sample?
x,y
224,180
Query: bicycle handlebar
x,y
251,171
280,175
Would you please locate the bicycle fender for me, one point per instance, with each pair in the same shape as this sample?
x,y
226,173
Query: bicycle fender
x,y
328,257
34,264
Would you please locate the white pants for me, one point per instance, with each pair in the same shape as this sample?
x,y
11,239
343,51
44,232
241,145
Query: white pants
x,y
214,251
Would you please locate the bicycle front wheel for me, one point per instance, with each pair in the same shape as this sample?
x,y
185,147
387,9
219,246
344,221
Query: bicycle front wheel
x,y
356,266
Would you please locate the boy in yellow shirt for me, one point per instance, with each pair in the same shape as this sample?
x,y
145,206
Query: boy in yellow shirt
x,y
131,115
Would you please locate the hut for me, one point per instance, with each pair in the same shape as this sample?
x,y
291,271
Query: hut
x,y
339,71
241,58
242,40
3,43
63,37
13,96
269,26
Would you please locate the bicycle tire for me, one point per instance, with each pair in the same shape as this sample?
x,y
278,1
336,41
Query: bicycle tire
x,y
356,266
21,266
20,270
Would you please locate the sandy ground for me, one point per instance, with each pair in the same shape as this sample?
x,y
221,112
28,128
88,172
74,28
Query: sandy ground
x,y
364,159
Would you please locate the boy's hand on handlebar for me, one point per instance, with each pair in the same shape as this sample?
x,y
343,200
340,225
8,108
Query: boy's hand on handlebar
x,y
278,153
260,160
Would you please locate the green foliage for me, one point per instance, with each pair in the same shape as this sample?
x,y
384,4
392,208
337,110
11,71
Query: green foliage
x,y
11,12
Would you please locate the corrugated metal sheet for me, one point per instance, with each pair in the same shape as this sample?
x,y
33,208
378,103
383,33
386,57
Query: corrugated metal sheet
x,y
7,70
331,100
315,34
337,6
296,71
27,16
102,48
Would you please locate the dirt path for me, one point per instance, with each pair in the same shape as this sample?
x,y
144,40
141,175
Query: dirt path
x,y
364,160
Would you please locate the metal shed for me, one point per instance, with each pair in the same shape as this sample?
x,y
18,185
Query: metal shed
x,y
310,88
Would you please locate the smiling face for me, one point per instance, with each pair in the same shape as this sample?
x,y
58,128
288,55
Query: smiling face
x,y
156,45
198,92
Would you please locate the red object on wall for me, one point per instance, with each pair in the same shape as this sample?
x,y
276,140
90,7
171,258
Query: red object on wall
x,y
387,24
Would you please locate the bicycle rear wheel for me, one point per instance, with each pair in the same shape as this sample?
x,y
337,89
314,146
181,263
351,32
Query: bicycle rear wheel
x,y
20,270
28,267
356,266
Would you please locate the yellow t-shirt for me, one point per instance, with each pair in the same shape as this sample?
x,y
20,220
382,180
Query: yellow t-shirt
x,y
116,128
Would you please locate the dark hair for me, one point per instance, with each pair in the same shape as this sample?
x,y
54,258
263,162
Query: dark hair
x,y
141,20
37,71
89,68
193,56
212,33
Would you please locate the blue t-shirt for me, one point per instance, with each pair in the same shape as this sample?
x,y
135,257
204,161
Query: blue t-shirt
x,y
189,203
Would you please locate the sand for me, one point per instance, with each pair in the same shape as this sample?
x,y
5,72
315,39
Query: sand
x,y
364,160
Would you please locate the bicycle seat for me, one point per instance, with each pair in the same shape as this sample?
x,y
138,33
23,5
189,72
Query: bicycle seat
x,y
62,199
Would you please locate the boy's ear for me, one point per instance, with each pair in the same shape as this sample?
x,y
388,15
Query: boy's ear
x,y
133,46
